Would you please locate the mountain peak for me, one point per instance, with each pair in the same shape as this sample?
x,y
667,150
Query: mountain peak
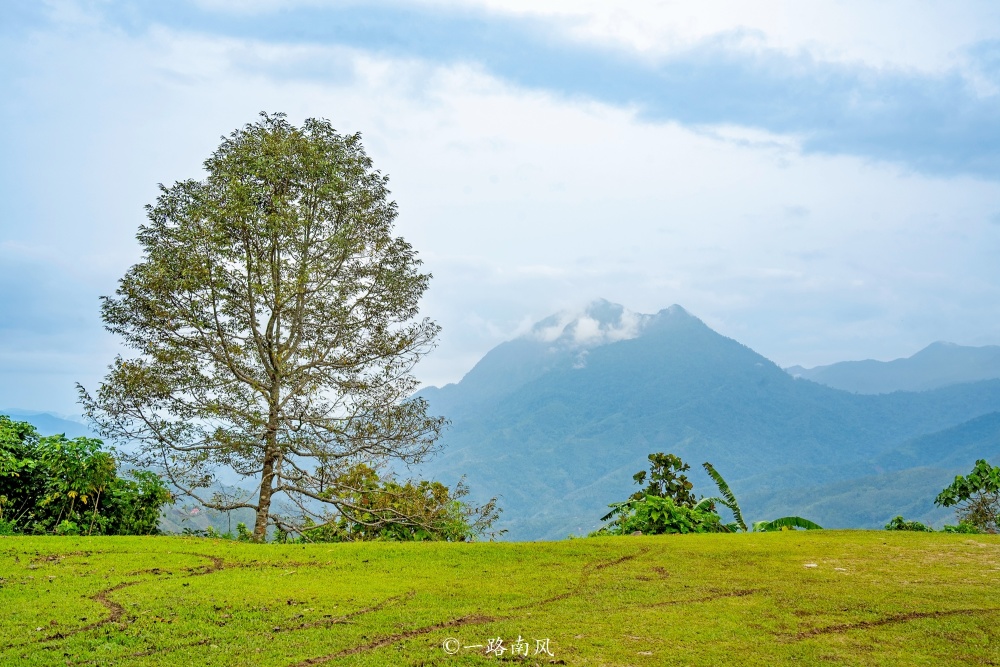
x,y
675,310
598,323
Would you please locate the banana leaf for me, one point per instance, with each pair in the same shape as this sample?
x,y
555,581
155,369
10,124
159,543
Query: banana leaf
x,y
728,499
785,522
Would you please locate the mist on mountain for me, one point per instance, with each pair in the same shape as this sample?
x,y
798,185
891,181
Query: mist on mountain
x,y
557,421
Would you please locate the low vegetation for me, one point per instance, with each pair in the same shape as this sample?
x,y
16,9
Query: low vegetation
x,y
387,509
71,487
667,505
975,497
52,485
799,597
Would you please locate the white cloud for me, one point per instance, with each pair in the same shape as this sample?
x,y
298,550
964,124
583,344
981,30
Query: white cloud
x,y
897,33
583,327
521,203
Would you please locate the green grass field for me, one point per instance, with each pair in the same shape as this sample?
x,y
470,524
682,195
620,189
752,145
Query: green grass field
x,y
821,597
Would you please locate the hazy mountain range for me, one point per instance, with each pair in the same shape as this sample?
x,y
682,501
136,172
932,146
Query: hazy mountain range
x,y
557,421
937,365
50,424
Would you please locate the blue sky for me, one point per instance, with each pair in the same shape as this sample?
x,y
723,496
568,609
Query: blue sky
x,y
820,182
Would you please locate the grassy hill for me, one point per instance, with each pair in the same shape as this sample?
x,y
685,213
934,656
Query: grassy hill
x,y
851,597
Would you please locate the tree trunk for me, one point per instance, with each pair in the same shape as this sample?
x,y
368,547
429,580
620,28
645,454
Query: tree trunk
x,y
271,456
264,500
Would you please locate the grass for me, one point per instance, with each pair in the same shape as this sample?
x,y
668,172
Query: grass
x,y
872,598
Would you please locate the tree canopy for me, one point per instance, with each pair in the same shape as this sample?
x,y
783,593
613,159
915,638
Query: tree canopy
x,y
275,319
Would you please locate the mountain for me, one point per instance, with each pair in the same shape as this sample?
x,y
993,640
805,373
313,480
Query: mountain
x,y
937,365
49,424
557,421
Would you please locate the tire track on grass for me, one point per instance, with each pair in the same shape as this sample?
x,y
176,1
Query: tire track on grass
x,y
472,619
326,622
588,569
115,610
398,637
708,598
841,628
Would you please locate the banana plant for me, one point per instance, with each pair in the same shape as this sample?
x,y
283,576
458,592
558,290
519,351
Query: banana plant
x,y
784,522
728,499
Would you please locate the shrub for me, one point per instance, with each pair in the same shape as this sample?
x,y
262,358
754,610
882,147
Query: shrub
x,y
964,527
655,515
976,497
898,523
668,506
71,487
373,508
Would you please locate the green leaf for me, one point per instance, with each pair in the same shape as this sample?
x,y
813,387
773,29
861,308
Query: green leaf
x,y
785,522
729,499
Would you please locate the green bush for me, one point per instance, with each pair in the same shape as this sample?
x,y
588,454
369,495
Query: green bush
x,y
654,515
898,523
373,508
964,527
71,487
667,505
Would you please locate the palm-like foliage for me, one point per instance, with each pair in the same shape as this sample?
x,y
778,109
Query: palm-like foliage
x,y
728,500
785,522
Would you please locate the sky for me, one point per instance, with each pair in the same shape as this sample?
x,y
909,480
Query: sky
x,y
820,181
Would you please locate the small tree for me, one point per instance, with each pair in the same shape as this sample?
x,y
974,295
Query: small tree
x,y
665,505
976,497
386,509
666,479
273,317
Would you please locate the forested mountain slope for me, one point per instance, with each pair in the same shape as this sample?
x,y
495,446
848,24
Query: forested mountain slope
x,y
556,422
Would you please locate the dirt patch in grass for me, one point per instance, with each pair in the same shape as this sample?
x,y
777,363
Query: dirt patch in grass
x,y
707,598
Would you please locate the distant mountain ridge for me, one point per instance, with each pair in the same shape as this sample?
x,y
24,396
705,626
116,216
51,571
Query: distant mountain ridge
x,y
557,427
557,421
49,424
937,365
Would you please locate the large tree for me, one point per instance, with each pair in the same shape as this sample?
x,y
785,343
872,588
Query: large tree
x,y
275,319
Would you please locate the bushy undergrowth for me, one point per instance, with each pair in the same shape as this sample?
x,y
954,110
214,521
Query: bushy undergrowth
x,y
654,515
53,485
899,523
964,527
